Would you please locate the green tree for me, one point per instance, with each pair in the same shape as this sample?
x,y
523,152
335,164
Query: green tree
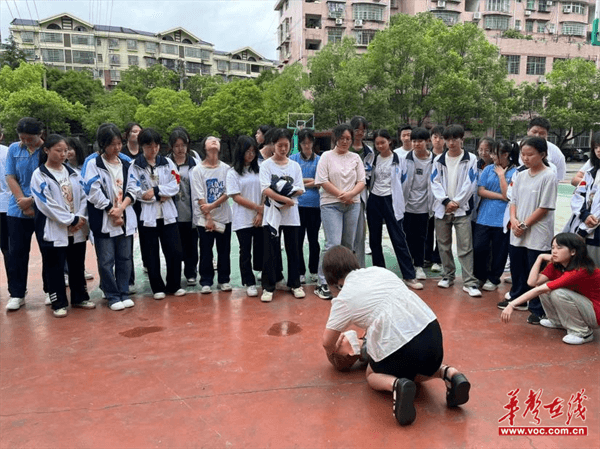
x,y
23,77
74,86
139,82
12,56
202,87
168,109
115,107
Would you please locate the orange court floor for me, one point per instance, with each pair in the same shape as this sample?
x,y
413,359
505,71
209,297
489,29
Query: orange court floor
x,y
227,371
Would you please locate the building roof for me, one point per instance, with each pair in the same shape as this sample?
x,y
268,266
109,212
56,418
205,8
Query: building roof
x,y
172,30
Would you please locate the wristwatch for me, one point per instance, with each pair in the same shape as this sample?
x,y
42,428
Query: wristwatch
x,y
523,226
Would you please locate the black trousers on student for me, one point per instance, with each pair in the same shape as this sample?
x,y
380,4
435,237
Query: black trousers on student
x,y
223,243
310,223
521,262
415,228
4,243
272,271
431,252
54,259
167,236
490,251
189,246
251,253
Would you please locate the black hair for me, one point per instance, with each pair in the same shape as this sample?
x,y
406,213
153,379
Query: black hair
x,y
419,134
149,136
539,144
264,128
280,133
358,120
30,125
244,143
268,136
403,128
306,133
512,148
75,143
129,127
595,143
491,142
539,121
52,140
581,258
106,134
203,145
454,132
338,262
438,129
382,133
179,133
341,129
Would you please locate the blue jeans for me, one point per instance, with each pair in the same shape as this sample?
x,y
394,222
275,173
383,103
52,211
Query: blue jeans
x,y
339,225
114,266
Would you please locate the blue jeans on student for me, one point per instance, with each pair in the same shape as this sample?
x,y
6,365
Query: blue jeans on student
x,y
114,266
339,225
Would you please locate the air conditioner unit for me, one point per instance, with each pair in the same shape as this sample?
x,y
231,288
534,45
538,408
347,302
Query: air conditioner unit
x,y
358,23
339,21
541,79
518,27
549,3
527,12
441,3
477,16
567,9
551,29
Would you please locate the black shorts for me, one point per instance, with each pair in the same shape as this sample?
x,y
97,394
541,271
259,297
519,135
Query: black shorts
x,y
422,355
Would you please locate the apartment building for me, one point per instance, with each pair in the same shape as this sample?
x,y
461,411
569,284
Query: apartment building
x,y
69,43
552,30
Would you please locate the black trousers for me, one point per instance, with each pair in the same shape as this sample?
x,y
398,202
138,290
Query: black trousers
x,y
415,228
4,243
490,251
189,246
167,236
223,243
251,253
54,259
521,262
310,223
272,266
431,252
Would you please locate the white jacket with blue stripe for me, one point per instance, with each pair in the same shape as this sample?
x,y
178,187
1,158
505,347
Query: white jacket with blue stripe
x,y
466,185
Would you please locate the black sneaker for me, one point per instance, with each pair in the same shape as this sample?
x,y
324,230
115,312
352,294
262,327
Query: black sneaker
x,y
503,304
323,292
534,319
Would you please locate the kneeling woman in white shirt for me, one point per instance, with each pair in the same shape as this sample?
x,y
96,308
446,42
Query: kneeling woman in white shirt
x,y
403,336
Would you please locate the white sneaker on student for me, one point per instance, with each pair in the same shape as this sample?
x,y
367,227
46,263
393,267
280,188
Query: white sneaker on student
x,y
489,286
420,273
159,295
180,292
298,292
205,289
15,303
252,291
445,283
414,284
571,339
436,267
472,291
226,287
267,296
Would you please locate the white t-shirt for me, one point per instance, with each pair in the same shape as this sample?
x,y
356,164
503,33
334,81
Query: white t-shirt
x,y
248,186
212,183
116,175
375,299
152,176
269,170
401,152
383,176
452,164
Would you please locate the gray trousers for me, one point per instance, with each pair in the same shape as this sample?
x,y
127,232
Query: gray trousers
x,y
464,246
361,233
570,310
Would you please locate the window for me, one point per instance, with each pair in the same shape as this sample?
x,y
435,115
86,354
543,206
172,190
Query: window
x,y
334,35
222,66
541,27
113,43
114,59
52,55
449,18
133,60
555,60
311,44
53,38
169,63
80,28
205,69
150,62
337,10
29,53
368,12
517,24
497,22
98,42
529,26
131,44
115,75
530,5
27,36
99,58
151,47
573,29
497,5
169,49
193,67
576,8
239,66
363,37
83,57
513,63
543,6
536,65
191,52
81,39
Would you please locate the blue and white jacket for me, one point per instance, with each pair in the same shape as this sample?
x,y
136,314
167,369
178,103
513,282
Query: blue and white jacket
x,y
398,177
585,202
52,213
466,185
368,163
98,187
410,176
168,186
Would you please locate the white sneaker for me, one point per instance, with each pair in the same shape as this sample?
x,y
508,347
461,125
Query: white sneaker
x,y
550,324
60,313
302,279
489,286
180,292
420,273
472,291
160,295
205,289
445,283
47,300
436,267
507,296
117,306
191,282
414,284
226,287
15,303
571,339
252,291
66,280
298,292
128,303
266,296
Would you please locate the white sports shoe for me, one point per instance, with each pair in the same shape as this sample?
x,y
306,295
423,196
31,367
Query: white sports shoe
x,y
472,291
298,292
226,287
420,273
445,283
252,291
267,296
180,292
489,286
15,303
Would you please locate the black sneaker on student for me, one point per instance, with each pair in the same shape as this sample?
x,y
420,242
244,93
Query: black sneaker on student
x,y
534,319
323,292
